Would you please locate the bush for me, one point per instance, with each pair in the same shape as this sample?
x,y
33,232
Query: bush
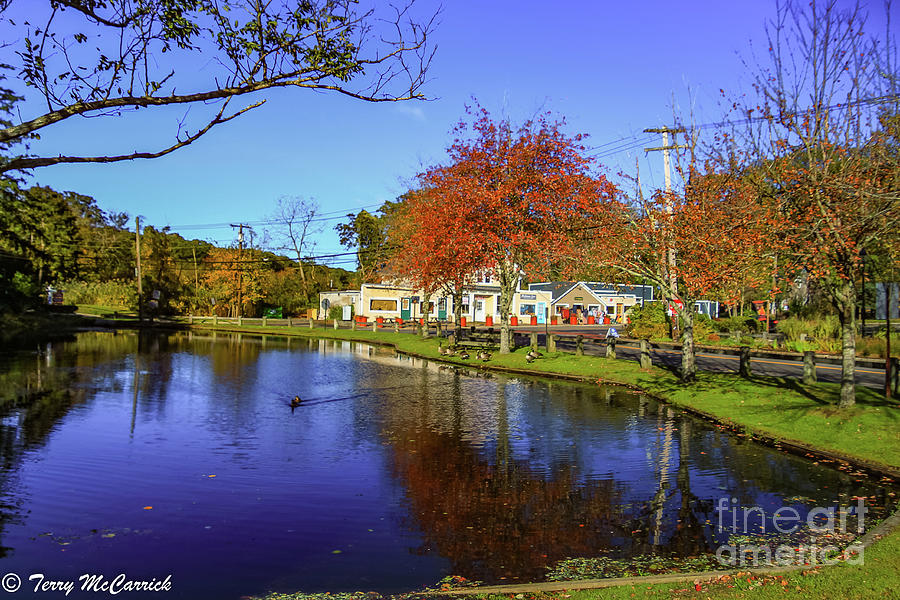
x,y
821,328
114,293
738,323
648,321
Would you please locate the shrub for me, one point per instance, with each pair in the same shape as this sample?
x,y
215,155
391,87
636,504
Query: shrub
x,y
114,293
737,323
821,328
648,321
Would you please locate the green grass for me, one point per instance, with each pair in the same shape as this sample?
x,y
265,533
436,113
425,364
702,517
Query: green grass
x,y
106,311
876,578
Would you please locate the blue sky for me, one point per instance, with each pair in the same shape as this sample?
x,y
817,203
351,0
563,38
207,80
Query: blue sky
x,y
610,68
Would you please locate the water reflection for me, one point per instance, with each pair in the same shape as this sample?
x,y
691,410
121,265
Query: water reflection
x,y
391,473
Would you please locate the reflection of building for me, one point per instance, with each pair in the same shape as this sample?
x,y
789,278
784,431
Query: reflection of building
x,y
480,300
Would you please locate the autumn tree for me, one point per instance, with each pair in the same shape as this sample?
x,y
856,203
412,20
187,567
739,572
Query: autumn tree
x,y
710,234
516,192
232,279
432,249
89,58
812,134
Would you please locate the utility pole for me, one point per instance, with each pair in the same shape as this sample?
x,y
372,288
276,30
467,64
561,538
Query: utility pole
x,y
670,251
240,228
137,253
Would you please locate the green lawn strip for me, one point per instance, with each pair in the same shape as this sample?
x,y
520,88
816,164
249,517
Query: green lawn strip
x,y
877,577
106,311
772,407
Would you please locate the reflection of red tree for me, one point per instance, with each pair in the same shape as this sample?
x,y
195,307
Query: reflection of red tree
x,y
496,520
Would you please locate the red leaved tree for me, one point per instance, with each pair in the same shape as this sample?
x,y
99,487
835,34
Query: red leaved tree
x,y
431,248
687,244
512,195
821,141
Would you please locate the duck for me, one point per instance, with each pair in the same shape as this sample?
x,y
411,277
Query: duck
x,y
295,401
484,355
445,351
533,354
464,355
529,358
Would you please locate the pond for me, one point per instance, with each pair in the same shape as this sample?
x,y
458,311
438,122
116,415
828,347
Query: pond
x,y
179,455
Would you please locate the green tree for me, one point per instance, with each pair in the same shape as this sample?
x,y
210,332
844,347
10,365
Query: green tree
x,y
368,235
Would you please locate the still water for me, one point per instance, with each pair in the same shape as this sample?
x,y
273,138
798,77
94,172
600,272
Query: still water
x,y
179,455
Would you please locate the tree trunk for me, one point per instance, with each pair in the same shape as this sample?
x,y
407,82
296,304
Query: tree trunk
x,y
507,287
426,300
457,308
688,357
845,302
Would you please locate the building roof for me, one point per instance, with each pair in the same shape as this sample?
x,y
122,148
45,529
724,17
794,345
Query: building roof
x,y
561,288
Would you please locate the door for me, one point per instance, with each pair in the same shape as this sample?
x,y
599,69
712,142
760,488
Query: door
x,y
541,313
479,309
405,312
345,312
442,309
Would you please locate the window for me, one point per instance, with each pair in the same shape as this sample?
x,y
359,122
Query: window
x,y
465,305
560,307
375,304
526,309
610,310
406,304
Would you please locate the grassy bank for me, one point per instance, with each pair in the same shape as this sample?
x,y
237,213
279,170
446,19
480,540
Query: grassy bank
x,y
779,408
876,578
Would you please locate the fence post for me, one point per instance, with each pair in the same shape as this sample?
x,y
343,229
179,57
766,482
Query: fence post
x,y
335,323
809,367
374,326
310,322
215,319
240,320
451,340
352,324
534,338
645,354
396,327
895,374
551,342
290,321
190,319
745,361
579,346
265,321
611,348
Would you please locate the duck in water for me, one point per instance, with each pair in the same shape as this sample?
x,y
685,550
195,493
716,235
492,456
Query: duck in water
x,y
295,401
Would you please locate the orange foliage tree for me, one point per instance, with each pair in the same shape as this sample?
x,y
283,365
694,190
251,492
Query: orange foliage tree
x,y
687,244
821,139
512,194
432,249
231,275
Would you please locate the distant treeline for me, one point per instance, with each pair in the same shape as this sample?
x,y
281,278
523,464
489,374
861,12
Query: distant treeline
x,y
65,241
